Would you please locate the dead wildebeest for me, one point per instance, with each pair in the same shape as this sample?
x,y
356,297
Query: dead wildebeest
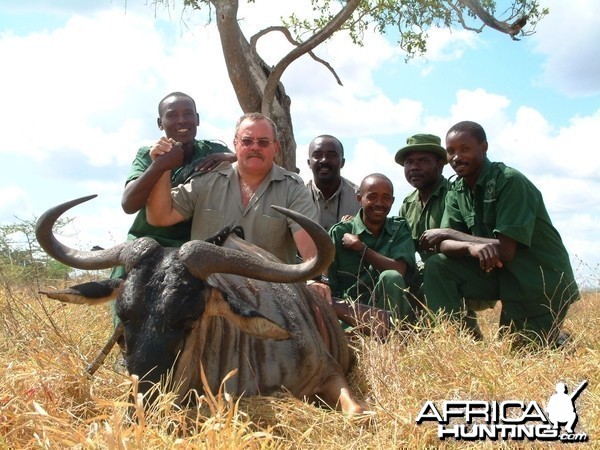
x,y
218,308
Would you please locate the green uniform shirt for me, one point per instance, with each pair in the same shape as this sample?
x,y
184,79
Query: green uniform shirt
x,y
213,200
421,218
349,276
175,235
505,202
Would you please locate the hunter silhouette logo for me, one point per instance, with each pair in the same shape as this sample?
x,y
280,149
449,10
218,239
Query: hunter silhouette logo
x,y
561,407
480,420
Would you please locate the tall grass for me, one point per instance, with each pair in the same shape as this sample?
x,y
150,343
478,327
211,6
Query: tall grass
x,y
48,401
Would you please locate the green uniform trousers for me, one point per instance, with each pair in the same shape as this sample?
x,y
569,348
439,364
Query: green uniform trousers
x,y
389,293
448,281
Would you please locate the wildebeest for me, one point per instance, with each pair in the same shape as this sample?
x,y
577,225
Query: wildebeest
x,y
220,308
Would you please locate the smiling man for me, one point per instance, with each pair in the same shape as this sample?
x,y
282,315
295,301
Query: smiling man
x,y
497,242
239,194
374,252
423,159
178,118
334,195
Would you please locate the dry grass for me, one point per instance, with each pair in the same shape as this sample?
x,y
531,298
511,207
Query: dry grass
x,y
47,401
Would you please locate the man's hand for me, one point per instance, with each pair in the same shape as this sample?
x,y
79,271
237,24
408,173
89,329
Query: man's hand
x,y
162,146
431,239
167,153
212,161
488,255
320,289
352,242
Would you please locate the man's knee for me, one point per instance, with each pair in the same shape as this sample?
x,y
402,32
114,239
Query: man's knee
x,y
435,262
393,279
391,294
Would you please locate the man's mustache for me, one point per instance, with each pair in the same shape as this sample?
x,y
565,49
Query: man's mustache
x,y
255,155
324,166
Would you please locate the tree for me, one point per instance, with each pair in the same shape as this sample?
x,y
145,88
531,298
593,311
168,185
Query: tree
x,y
21,257
258,85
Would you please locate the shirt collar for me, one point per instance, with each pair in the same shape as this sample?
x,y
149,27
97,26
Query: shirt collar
x,y
276,172
483,176
440,190
359,227
485,172
320,195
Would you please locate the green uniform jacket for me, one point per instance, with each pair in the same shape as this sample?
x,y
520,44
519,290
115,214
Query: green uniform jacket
x,y
178,234
422,218
505,202
349,276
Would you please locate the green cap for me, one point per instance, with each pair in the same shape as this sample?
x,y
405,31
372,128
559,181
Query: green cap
x,y
422,143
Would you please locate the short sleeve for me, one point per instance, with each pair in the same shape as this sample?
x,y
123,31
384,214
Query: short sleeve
x,y
140,164
517,208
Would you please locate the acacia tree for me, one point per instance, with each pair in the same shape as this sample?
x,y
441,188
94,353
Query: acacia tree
x,y
258,85
21,257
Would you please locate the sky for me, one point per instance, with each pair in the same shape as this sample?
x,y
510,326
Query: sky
x,y
81,81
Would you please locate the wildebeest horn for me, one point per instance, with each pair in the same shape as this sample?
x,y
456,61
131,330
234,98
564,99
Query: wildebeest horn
x,y
87,260
203,259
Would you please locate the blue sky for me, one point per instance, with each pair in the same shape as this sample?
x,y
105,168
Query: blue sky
x,y
81,80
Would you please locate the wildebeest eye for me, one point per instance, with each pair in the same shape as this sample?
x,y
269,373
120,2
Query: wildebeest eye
x,y
190,324
186,324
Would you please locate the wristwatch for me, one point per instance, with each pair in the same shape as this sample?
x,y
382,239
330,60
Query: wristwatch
x,y
321,279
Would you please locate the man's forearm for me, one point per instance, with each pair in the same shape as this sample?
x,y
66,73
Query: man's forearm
x,y
138,191
381,262
160,202
453,248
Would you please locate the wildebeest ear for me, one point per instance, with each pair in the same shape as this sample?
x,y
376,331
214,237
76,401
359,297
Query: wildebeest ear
x,y
248,320
92,293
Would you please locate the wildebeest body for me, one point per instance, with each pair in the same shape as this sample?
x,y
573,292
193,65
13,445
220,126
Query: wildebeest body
x,y
198,308
265,365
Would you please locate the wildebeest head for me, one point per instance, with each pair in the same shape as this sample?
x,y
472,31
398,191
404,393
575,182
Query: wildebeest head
x,y
165,293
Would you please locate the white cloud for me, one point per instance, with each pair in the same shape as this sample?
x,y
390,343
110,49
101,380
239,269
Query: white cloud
x,y
85,97
531,143
569,37
13,201
449,45
72,80
479,106
576,147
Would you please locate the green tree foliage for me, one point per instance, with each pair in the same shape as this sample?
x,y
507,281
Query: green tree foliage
x,y
258,85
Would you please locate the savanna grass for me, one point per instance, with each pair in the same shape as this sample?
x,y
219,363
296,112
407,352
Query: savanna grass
x,y
48,401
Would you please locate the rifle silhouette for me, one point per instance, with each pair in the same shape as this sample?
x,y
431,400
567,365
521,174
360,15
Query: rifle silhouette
x,y
577,391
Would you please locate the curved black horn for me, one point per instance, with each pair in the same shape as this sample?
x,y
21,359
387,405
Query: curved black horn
x,y
203,259
87,260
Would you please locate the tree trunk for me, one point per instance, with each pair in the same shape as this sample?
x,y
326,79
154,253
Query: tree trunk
x,y
258,86
249,73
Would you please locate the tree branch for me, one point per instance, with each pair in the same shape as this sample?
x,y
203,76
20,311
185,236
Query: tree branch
x,y
286,32
316,39
504,27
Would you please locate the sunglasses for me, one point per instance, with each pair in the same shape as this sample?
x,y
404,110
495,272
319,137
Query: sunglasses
x,y
261,142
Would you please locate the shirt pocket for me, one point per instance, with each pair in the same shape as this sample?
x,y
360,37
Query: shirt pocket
x,y
272,234
470,221
207,223
489,213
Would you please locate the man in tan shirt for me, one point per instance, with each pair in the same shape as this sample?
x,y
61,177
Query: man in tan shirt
x,y
240,194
